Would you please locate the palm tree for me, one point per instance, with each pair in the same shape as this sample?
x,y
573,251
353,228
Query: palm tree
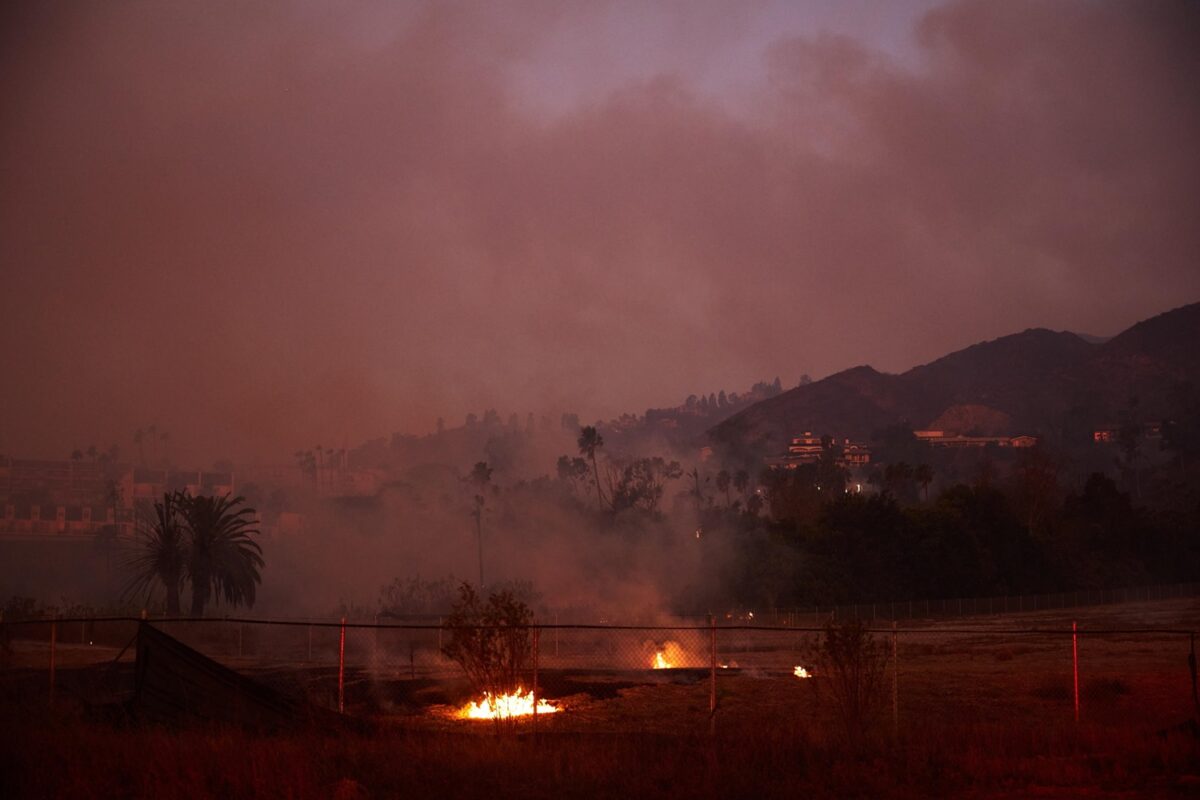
x,y
223,562
923,475
589,442
480,475
160,554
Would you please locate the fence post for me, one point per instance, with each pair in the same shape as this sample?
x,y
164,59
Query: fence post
x,y
712,667
895,685
342,668
53,644
1192,670
536,636
1075,665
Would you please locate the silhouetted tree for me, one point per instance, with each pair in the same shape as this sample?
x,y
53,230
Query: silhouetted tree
x,y
223,560
641,483
923,475
481,475
572,471
160,554
589,442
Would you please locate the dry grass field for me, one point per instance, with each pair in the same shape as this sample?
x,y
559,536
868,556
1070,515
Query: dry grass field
x,y
979,712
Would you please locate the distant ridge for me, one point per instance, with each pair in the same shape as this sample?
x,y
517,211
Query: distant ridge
x,y
1045,382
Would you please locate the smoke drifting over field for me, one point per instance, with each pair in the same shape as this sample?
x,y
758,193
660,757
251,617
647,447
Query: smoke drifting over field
x,y
540,531
260,226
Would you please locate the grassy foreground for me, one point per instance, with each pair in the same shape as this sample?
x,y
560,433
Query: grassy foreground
x,y
65,756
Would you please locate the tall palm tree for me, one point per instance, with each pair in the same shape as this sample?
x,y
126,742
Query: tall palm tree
x,y
589,442
223,560
160,554
481,475
923,474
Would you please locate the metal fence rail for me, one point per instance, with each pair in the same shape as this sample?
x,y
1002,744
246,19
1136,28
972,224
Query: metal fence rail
x,y
1134,675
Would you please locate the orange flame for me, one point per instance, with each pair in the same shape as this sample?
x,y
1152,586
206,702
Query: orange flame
x,y
669,656
801,672
504,706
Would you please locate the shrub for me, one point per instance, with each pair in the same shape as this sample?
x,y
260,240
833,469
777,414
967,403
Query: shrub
x,y
489,640
853,668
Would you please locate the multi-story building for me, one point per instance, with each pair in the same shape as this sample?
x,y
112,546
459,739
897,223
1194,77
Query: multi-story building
x,y
808,449
944,439
80,499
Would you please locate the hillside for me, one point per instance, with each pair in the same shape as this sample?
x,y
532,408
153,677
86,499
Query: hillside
x,y
1054,384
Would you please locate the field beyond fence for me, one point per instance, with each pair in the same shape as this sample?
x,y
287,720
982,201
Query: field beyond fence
x,y
1112,682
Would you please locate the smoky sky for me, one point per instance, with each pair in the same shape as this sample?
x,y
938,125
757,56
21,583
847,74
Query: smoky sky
x,y
265,225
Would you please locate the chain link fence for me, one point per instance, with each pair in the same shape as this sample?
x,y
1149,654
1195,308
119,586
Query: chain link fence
x,y
657,678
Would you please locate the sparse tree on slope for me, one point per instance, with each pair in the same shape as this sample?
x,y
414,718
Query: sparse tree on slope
x,y
589,442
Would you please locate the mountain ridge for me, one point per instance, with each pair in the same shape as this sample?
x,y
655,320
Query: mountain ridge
x,y
1046,382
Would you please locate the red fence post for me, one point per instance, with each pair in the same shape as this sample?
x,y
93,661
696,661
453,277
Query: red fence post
x,y
536,633
53,643
712,680
342,669
895,686
1075,665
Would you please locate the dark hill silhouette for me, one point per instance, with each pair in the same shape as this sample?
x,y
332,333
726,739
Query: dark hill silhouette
x,y
1047,382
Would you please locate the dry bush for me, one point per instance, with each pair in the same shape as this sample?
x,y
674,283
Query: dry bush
x,y
489,640
852,666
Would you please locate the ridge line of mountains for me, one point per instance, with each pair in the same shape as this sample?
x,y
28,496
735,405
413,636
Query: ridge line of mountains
x,y
1055,385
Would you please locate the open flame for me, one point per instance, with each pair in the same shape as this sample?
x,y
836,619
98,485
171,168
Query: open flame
x,y
503,706
668,656
801,672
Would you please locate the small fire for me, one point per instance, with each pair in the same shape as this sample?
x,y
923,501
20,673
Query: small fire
x,y
515,704
668,656
801,672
